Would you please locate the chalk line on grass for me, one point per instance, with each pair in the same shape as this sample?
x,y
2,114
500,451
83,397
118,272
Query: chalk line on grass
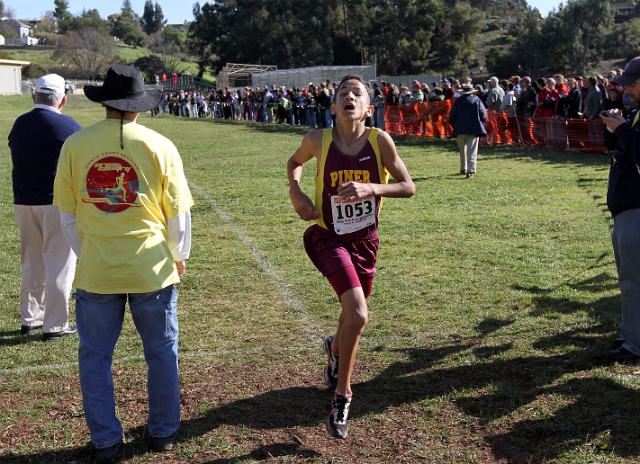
x,y
313,330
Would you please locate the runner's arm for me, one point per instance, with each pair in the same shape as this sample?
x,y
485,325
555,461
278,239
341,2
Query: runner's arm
x,y
307,150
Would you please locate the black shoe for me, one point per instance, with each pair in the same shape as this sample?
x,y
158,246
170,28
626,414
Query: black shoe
x,y
622,355
110,453
55,336
30,329
618,342
338,413
159,444
331,371
470,175
463,172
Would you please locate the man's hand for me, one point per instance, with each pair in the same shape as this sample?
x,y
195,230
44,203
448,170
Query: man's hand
x,y
614,121
180,267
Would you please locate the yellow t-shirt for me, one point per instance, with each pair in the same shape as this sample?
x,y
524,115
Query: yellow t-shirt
x,y
122,199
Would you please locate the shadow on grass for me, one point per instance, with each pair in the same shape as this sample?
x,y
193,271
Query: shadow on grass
x,y
269,452
549,157
573,409
530,408
14,337
525,409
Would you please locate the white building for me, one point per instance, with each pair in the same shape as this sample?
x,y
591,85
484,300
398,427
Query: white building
x,y
11,76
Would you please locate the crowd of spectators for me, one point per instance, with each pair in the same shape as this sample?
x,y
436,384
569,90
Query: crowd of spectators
x,y
552,97
309,106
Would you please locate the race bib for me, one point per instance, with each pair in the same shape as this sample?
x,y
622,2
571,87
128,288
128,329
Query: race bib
x,y
352,215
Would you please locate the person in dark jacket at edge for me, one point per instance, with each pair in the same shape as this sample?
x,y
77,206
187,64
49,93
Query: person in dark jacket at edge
x,y
622,139
468,117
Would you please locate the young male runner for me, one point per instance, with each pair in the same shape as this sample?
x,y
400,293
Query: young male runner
x,y
353,165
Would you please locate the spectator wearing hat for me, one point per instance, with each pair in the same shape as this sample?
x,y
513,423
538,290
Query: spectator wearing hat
x,y
47,261
468,117
416,95
124,204
622,139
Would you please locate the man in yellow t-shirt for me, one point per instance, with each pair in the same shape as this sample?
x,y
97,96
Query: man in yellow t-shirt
x,y
125,209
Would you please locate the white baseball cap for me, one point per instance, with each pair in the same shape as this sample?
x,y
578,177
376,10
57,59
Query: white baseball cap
x,y
50,84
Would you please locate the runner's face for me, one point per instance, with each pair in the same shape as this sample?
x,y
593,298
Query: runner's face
x,y
352,101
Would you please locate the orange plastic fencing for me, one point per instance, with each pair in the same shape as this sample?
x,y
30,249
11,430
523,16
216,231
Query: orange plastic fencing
x,y
432,120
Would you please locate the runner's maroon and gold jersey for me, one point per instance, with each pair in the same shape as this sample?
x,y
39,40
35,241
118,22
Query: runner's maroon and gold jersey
x,y
352,219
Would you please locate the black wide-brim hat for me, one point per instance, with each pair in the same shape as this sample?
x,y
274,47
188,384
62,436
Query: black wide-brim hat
x,y
124,90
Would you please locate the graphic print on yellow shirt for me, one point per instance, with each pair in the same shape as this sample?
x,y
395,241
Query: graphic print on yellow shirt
x,y
112,184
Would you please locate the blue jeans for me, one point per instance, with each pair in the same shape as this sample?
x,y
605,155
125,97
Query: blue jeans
x,y
99,319
328,120
311,117
626,248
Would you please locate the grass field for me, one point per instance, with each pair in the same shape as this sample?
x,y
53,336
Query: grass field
x,y
495,301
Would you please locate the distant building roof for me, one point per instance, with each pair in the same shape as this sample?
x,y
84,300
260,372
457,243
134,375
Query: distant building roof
x,y
623,8
184,25
14,23
14,63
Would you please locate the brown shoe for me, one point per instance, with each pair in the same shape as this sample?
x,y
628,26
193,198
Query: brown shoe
x,y
470,175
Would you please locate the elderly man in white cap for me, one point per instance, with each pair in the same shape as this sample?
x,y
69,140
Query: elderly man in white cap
x,y
125,209
48,263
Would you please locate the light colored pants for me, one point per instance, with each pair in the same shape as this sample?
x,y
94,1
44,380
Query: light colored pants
x,y
468,146
48,267
626,249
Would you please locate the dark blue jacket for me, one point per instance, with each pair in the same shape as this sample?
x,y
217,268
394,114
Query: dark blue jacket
x,y
624,178
35,141
467,116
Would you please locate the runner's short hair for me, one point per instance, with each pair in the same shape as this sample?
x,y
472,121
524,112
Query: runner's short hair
x,y
354,77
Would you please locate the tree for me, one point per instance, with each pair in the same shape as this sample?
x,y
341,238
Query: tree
x,y
168,47
62,15
88,50
501,63
623,41
128,30
146,21
455,39
127,11
87,19
529,44
577,33
45,32
158,18
5,12
152,19
404,30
